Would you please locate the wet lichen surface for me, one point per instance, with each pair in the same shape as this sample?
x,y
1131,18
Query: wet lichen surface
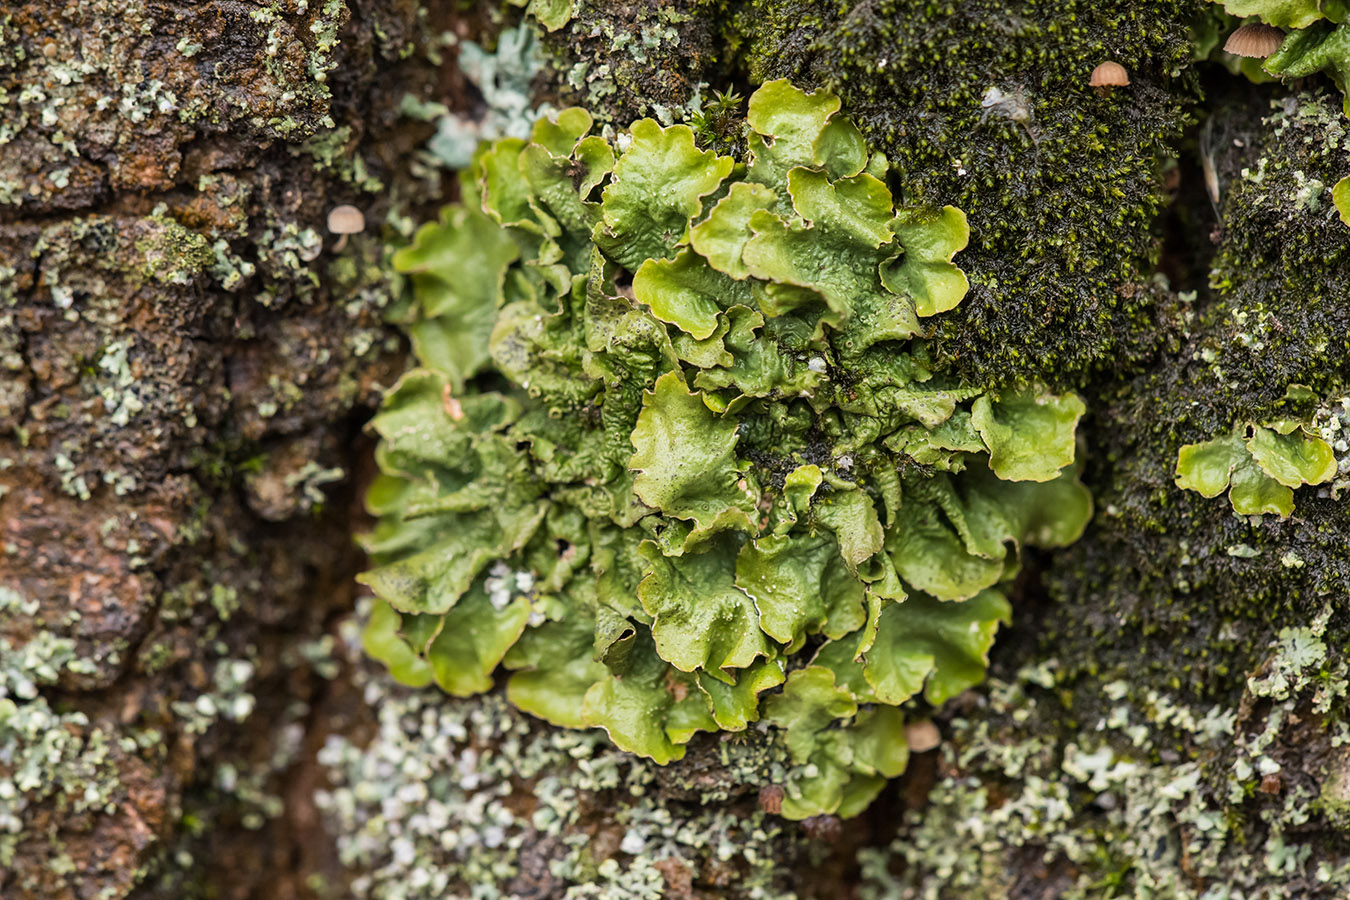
x,y
658,504
186,361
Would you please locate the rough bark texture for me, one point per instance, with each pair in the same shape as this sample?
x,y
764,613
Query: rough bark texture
x,y
185,363
186,359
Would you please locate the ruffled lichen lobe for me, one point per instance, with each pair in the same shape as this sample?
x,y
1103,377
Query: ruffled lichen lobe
x,y
676,433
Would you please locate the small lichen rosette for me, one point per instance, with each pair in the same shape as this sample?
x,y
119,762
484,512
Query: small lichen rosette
x,y
1259,466
675,459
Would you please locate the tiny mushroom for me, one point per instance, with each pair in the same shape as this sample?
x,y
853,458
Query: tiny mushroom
x,y
922,736
1109,75
1256,41
345,220
771,799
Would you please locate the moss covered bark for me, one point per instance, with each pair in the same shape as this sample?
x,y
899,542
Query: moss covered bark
x,y
186,359
987,106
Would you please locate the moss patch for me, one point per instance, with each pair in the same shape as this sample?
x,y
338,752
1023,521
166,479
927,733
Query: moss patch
x,y
989,109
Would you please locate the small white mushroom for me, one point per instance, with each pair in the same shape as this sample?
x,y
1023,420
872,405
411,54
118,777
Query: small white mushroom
x,y
922,736
343,221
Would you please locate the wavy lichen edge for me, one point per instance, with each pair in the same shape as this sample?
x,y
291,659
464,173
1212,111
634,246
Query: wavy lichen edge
x,y
675,445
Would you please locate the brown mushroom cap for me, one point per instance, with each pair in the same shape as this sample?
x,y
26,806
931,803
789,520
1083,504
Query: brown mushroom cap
x,y
346,219
1109,74
1256,41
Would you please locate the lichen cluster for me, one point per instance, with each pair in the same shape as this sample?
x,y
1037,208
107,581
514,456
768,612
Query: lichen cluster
x,y
623,61
674,442
182,354
1158,796
1262,463
83,86
474,798
504,78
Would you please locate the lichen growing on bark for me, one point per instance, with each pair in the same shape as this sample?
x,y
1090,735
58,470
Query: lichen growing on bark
x,y
674,434
1268,344
180,356
1167,712
989,108
1259,466
626,61
472,796
1193,614
1160,797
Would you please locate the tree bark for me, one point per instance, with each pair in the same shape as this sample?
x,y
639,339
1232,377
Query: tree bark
x,y
187,357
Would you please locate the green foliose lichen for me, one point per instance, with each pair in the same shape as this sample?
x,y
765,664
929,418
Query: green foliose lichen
x,y
427,808
1262,463
675,447
1288,13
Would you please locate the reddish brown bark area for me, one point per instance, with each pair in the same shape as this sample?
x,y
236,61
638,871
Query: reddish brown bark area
x,y
185,362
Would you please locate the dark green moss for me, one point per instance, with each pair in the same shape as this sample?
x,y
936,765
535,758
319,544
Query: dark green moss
x,y
1200,637
1166,567
990,110
1282,265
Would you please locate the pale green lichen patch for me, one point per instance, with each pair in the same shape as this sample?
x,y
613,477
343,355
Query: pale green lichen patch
x,y
1030,437
552,14
623,61
1156,797
840,770
83,88
474,799
675,434
503,76
48,757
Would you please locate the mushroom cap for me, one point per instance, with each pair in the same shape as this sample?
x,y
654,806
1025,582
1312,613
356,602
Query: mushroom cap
x,y
1256,41
1109,74
922,736
346,219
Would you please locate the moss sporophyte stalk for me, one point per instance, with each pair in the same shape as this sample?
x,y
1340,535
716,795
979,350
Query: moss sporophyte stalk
x,y
675,456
